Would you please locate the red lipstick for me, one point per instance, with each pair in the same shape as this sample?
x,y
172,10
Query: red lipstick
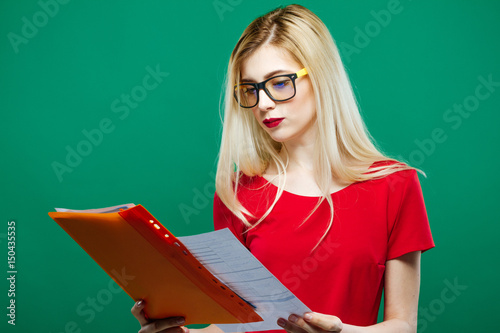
x,y
272,122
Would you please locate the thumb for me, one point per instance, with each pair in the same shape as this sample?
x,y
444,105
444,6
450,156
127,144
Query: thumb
x,y
323,321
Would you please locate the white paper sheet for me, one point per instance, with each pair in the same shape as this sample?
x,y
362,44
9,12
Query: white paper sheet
x,y
231,262
112,209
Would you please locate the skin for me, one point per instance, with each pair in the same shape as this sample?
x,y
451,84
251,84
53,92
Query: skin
x,y
298,133
297,129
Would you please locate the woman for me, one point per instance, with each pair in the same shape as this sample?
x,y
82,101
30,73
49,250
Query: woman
x,y
301,184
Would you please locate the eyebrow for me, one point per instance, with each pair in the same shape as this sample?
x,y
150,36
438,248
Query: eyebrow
x,y
267,76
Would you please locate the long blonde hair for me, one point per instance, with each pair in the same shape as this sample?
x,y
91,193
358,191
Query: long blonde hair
x,y
344,148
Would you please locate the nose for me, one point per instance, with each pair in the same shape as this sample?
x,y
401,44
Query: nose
x,y
265,102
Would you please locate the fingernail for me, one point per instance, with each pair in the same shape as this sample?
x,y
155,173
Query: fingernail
x,y
293,318
140,303
281,322
180,321
308,316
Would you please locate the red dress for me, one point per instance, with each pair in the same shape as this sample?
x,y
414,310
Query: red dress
x,y
374,221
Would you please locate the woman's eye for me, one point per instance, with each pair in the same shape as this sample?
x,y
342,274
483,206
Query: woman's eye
x,y
281,83
249,91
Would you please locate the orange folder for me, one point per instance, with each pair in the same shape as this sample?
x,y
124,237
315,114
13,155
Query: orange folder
x,y
157,266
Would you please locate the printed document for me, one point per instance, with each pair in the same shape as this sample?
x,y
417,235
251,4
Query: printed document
x,y
231,262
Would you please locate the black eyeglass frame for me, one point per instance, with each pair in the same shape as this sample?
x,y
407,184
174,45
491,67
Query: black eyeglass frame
x,y
262,85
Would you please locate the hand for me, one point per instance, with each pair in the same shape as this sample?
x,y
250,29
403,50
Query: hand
x,y
167,325
312,322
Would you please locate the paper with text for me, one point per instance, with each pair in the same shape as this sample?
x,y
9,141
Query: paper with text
x,y
231,262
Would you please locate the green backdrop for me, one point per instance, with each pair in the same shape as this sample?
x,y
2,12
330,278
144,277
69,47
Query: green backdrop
x,y
97,109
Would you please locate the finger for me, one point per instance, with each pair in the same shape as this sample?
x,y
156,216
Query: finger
x,y
303,325
137,311
289,326
325,322
167,325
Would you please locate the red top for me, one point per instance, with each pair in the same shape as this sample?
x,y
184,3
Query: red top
x,y
374,221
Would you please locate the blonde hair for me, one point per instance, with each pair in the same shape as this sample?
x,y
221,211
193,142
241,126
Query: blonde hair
x,y
344,148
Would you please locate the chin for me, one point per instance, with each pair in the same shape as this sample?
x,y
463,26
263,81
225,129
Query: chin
x,y
279,138
279,134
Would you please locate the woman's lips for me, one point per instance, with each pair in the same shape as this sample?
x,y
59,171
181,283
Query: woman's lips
x,y
272,122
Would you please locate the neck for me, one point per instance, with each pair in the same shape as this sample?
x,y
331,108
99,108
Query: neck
x,y
300,157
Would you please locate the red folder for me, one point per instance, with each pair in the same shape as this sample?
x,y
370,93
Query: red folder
x,y
158,267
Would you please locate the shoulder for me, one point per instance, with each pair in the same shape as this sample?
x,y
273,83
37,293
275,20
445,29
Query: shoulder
x,y
250,183
248,189
393,168
246,180
386,164
394,175
402,190
243,183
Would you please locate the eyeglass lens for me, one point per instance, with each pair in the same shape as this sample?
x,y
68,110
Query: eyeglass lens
x,y
279,88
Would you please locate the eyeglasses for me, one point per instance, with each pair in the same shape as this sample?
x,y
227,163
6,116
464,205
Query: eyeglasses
x,y
279,88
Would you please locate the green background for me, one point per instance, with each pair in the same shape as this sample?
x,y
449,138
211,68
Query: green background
x,y
63,80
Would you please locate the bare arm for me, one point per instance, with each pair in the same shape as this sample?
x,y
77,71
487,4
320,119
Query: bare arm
x,y
402,286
